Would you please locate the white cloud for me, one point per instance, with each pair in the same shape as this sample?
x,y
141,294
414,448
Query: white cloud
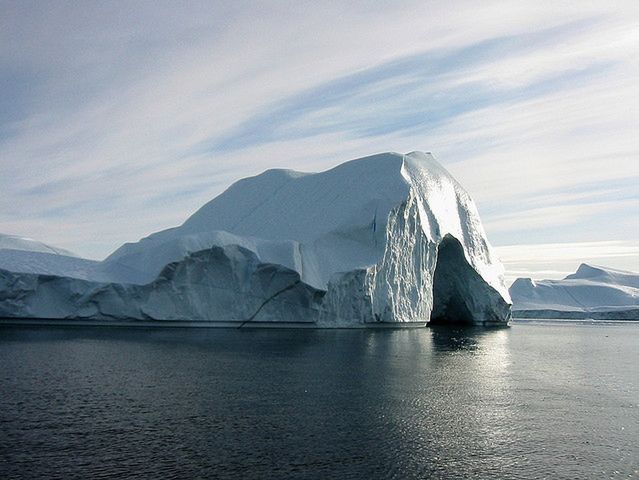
x,y
124,101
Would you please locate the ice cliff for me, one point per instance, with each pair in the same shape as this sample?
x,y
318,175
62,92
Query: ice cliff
x,y
591,292
386,238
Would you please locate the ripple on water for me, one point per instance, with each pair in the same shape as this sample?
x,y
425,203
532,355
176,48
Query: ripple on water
x,y
532,401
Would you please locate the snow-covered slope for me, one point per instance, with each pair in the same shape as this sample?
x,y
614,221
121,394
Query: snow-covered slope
x,y
591,291
12,242
358,243
25,255
48,263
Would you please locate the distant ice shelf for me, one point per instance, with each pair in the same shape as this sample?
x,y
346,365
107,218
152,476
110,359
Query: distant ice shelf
x,y
385,239
595,292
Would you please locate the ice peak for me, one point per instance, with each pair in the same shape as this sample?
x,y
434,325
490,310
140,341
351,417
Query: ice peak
x,y
587,271
419,154
523,282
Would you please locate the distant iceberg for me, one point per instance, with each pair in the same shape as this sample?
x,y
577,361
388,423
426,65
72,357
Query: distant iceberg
x,y
385,239
15,243
591,292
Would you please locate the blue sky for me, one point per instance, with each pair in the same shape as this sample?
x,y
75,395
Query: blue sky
x,y
118,119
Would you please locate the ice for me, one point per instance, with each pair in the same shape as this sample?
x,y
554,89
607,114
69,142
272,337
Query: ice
x,y
13,242
590,292
368,241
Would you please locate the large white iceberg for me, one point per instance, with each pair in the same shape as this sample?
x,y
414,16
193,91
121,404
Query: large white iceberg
x,y
591,292
388,238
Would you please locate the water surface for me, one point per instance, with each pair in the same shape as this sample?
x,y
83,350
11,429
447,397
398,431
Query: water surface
x,y
532,401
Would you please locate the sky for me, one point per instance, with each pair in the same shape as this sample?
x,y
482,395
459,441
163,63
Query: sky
x,y
118,119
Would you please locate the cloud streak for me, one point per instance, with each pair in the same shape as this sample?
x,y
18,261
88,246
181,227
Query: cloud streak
x,y
116,122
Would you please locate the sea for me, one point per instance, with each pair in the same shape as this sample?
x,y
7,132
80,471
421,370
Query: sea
x,y
555,400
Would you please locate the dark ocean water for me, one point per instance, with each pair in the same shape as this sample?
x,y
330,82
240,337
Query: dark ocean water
x,y
532,401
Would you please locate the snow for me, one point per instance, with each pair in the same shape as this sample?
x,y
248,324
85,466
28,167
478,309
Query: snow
x,y
352,245
48,263
591,291
12,242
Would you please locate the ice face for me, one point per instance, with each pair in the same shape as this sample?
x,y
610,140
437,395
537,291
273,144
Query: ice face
x,y
386,238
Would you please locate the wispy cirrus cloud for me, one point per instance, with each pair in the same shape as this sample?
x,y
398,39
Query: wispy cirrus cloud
x,y
120,120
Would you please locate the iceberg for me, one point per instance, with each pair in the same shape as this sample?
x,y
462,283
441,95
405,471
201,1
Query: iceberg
x,y
13,242
385,239
594,292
